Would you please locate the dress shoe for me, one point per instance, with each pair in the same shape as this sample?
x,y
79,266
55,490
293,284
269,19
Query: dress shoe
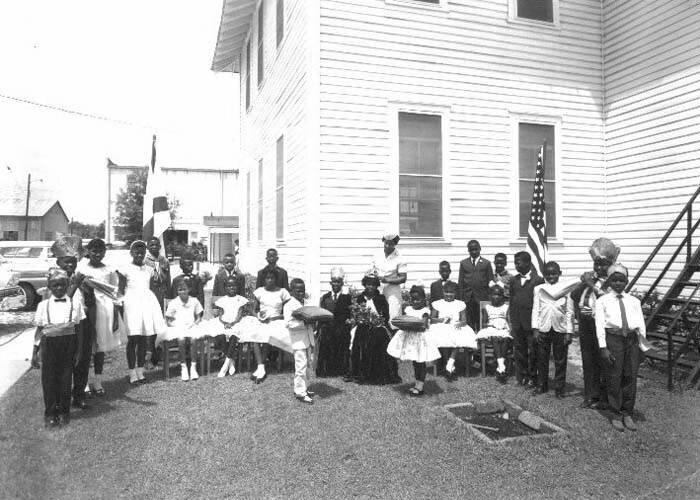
x,y
51,422
617,424
310,393
79,403
538,391
415,392
559,394
305,399
629,423
63,419
586,403
521,381
502,377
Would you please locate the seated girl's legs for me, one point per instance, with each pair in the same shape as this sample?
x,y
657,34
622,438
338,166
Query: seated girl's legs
x,y
184,349
500,350
220,342
260,351
232,348
450,366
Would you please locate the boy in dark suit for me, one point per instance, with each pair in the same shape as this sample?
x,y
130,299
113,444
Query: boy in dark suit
x,y
195,283
436,287
475,274
228,271
522,288
282,279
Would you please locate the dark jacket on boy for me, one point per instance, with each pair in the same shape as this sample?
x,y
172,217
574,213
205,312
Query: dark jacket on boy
x,y
520,311
222,276
282,279
194,284
473,285
437,290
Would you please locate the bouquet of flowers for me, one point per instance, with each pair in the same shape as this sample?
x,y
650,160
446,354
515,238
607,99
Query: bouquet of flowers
x,y
360,314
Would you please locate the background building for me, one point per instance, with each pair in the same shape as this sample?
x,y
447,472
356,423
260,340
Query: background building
x,y
47,219
359,116
208,202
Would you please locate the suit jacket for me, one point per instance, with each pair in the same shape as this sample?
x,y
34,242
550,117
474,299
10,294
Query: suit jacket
x,y
521,299
220,282
473,283
282,279
436,290
194,283
340,308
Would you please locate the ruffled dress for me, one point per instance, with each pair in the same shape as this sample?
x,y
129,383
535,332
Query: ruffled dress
x,y
447,334
411,345
183,324
142,313
107,338
272,332
497,326
230,306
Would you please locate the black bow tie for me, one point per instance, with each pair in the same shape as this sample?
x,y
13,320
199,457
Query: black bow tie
x,y
60,300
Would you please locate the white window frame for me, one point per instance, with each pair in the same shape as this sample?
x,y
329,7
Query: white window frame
x,y
278,187
423,108
514,19
442,5
538,119
260,224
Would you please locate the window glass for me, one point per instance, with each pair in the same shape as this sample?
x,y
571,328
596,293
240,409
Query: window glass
x,y
540,10
530,137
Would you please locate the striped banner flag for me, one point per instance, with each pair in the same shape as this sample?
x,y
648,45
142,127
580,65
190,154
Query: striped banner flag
x,y
537,227
156,214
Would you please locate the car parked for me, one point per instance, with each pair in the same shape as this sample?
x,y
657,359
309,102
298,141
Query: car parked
x,y
30,261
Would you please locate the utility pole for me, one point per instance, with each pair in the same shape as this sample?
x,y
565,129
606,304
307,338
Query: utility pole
x,y
26,210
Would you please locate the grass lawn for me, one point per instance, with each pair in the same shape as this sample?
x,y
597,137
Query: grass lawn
x,y
228,438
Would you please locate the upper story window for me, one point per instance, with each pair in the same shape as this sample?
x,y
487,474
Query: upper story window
x,y
260,199
530,137
280,21
247,76
420,175
279,190
539,10
261,37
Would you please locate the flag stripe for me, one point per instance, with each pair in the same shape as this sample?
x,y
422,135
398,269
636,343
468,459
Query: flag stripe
x,y
160,204
156,213
537,225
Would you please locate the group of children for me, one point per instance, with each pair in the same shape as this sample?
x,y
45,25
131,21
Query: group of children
x,y
93,308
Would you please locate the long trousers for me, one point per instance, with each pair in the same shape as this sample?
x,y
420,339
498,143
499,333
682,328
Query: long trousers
x,y
622,381
594,373
302,370
82,369
556,343
57,354
525,354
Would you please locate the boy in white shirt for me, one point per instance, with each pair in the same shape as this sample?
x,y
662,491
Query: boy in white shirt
x,y
302,338
621,333
552,326
57,321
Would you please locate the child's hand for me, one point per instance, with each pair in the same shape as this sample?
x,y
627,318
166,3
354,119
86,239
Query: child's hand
x,y
536,334
567,339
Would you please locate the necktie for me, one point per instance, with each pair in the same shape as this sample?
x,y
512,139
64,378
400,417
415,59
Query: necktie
x,y
623,316
60,300
335,297
474,262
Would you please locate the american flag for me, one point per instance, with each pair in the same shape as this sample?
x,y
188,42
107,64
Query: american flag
x,y
537,227
156,214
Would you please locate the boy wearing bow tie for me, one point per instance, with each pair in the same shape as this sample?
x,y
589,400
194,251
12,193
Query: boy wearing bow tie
x,y
522,288
475,274
195,282
228,271
57,321
437,287
621,333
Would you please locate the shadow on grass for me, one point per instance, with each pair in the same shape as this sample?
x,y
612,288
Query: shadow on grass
x,y
324,390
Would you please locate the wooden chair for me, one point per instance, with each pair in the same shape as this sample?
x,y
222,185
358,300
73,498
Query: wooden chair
x,y
486,346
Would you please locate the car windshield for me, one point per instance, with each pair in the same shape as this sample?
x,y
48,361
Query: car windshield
x,y
21,252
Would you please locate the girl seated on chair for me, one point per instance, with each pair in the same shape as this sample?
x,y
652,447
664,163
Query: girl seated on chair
x,y
414,345
229,310
269,327
183,316
449,329
497,329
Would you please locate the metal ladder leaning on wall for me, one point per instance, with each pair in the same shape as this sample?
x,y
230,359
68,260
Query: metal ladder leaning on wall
x,y
673,324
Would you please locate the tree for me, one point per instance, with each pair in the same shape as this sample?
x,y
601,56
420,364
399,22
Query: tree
x,y
87,230
129,207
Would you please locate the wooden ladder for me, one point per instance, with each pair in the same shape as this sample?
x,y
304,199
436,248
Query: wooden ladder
x,y
673,325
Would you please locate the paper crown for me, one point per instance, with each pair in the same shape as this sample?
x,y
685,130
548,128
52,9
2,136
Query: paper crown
x,y
337,273
604,248
56,273
391,236
68,246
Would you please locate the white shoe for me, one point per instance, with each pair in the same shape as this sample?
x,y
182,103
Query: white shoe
x,y
224,367
450,366
97,385
231,368
184,376
133,378
193,371
140,374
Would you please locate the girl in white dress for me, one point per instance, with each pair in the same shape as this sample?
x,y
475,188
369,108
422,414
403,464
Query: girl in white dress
x,y
109,334
269,327
449,329
142,314
414,345
183,316
497,328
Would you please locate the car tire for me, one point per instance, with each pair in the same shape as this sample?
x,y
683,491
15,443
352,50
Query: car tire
x,y
30,296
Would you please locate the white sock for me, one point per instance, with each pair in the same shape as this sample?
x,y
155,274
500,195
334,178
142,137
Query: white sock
x,y
260,371
231,366
419,385
501,365
450,366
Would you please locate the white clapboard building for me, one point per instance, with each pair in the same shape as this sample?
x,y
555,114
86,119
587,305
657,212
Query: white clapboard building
x,y
424,116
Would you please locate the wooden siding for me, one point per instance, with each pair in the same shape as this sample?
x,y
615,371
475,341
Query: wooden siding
x,y
278,107
652,121
466,60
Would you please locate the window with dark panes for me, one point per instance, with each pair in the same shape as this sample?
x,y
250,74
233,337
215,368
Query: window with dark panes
x,y
249,222
247,76
279,191
420,175
261,37
260,199
540,10
280,21
10,235
530,137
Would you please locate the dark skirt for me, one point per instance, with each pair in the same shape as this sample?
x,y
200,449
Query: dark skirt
x,y
370,363
333,349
